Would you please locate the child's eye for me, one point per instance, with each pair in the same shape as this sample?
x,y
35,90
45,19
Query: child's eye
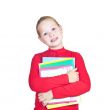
x,y
53,29
45,34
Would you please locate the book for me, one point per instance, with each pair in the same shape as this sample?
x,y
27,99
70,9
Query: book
x,y
56,67
51,106
53,66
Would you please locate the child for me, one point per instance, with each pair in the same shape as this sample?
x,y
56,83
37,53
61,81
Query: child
x,y
75,83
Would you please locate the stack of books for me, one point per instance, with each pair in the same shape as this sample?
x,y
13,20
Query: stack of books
x,y
54,66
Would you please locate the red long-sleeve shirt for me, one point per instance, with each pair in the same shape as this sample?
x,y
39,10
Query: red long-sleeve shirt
x,y
59,85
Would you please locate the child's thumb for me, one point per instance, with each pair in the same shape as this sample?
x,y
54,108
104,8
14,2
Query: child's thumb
x,y
73,70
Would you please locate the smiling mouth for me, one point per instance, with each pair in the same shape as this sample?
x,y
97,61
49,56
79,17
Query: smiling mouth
x,y
54,39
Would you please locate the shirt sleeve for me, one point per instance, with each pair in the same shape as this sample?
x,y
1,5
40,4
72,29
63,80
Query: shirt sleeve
x,y
39,84
77,88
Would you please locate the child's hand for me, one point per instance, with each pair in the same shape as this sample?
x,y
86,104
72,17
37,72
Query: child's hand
x,y
73,76
45,97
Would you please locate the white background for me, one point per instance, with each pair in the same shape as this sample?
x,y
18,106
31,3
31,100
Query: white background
x,y
84,25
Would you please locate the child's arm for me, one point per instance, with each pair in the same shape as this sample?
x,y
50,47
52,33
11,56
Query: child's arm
x,y
39,84
77,88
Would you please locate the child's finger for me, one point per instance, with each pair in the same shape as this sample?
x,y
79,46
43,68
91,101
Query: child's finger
x,y
40,94
77,78
73,70
77,72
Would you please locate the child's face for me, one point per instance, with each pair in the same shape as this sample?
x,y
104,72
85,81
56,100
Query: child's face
x,y
50,34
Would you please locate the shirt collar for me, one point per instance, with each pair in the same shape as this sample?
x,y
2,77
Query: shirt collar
x,y
57,50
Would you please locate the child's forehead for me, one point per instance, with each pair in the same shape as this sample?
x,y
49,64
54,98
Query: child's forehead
x,y
48,21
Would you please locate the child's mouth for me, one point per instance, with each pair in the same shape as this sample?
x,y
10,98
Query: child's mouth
x,y
54,39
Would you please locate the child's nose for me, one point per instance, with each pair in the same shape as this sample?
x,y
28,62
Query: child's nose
x,y
51,34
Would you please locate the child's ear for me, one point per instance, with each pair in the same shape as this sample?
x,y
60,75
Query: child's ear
x,y
39,37
61,28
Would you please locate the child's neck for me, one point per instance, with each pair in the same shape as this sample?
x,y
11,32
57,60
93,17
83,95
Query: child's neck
x,y
57,47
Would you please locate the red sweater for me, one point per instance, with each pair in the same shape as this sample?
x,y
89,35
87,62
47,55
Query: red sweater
x,y
58,84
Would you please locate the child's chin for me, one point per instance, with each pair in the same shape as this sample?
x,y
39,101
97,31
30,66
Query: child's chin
x,y
55,45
